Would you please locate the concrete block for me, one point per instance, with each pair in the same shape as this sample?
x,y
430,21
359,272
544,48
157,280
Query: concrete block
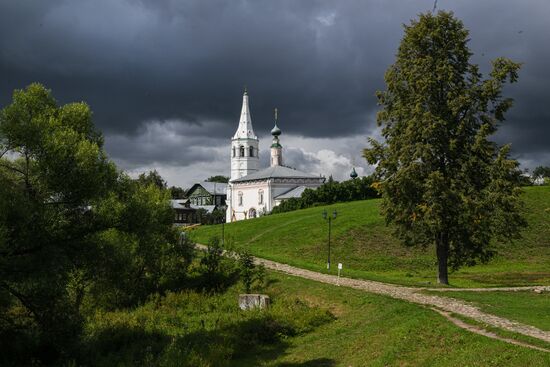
x,y
251,301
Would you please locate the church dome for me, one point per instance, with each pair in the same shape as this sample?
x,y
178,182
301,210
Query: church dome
x,y
353,174
276,131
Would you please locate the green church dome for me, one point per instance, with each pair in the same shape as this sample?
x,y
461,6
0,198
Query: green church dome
x,y
353,174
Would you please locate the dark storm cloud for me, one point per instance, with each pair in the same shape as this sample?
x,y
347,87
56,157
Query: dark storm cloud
x,y
320,62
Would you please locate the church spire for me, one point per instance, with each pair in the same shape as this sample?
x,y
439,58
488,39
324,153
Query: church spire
x,y
244,145
245,130
276,148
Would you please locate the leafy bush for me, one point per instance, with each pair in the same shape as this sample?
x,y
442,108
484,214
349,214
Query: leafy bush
x,y
246,270
251,275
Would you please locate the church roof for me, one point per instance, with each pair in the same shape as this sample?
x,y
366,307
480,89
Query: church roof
x,y
295,192
245,130
276,172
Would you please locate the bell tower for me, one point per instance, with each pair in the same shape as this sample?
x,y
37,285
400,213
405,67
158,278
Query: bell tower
x,y
244,145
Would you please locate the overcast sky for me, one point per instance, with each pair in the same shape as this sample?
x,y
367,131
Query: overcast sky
x,y
165,78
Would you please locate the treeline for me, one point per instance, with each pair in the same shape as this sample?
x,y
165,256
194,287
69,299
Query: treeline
x,y
541,173
331,192
76,234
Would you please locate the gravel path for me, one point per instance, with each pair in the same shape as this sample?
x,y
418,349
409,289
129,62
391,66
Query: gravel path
x,y
448,305
480,331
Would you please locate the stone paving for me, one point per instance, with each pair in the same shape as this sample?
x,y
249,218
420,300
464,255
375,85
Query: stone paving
x,y
411,294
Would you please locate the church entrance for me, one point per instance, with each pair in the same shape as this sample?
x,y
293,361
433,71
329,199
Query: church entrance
x,y
252,213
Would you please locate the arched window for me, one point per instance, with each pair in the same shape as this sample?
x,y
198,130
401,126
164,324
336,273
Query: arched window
x,y
233,152
251,152
260,197
241,151
240,198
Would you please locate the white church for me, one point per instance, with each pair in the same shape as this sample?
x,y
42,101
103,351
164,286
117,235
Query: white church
x,y
252,191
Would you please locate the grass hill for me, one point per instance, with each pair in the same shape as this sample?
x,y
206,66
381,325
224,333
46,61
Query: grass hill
x,y
364,245
309,324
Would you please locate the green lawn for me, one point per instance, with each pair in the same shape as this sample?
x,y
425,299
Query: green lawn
x,y
527,307
310,324
363,243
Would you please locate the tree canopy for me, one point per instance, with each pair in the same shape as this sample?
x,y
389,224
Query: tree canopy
x,y
152,178
218,178
443,181
75,233
541,172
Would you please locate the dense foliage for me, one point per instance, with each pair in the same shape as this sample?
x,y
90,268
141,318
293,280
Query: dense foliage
x,y
75,234
214,217
331,192
218,178
196,329
444,182
152,178
542,173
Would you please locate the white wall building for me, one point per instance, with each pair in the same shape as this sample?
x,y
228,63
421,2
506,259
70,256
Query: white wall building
x,y
252,192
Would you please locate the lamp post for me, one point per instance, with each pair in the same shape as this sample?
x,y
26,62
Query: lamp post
x,y
330,218
223,232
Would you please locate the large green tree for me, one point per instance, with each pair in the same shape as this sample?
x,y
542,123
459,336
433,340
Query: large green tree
x,y
75,234
52,169
443,181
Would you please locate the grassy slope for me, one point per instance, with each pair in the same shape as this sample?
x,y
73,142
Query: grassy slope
x,y
526,307
378,331
367,330
363,243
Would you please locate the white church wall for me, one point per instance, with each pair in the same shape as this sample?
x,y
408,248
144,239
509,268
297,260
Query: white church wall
x,y
250,199
250,196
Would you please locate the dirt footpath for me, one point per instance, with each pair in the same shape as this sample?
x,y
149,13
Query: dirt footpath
x,y
447,305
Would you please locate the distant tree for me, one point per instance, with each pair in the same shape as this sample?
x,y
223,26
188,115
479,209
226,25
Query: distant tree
x,y
444,183
152,178
541,172
218,178
177,192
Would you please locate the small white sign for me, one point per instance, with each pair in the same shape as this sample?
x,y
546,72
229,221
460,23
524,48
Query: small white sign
x,y
339,266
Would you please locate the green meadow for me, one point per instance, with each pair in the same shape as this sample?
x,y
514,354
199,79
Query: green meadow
x,y
309,324
364,244
526,307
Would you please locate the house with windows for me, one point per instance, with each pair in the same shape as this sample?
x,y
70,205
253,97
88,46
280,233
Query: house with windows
x,y
253,191
183,213
208,194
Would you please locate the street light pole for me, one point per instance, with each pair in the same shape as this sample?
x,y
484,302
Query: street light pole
x,y
329,218
223,232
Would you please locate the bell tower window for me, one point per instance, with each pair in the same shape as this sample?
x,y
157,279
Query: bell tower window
x,y
233,152
241,151
251,152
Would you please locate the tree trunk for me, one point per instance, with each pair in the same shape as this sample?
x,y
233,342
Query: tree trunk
x,y
442,250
